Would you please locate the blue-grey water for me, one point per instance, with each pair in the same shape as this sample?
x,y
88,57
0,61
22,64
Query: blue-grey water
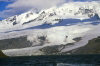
x,y
61,60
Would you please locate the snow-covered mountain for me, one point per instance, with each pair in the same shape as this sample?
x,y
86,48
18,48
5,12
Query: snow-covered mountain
x,y
58,25
82,10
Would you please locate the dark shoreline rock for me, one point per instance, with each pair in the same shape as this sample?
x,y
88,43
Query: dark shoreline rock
x,y
2,55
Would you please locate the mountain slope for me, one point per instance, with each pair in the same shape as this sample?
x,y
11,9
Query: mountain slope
x,y
57,26
91,48
77,10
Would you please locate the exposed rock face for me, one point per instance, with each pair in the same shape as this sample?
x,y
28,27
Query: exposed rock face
x,y
14,43
77,39
93,47
50,50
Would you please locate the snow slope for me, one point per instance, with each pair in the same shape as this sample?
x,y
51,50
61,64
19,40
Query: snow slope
x,y
56,26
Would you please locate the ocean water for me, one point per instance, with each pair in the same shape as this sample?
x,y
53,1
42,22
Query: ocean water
x,y
57,60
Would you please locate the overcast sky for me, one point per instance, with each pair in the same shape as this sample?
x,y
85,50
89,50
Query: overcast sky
x,y
13,7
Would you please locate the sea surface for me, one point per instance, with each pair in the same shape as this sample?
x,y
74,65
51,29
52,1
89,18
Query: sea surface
x,y
54,60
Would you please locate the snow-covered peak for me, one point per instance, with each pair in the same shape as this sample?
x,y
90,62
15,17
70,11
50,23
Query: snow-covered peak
x,y
78,10
21,18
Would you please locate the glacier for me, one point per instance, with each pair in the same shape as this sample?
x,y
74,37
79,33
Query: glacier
x,y
58,25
